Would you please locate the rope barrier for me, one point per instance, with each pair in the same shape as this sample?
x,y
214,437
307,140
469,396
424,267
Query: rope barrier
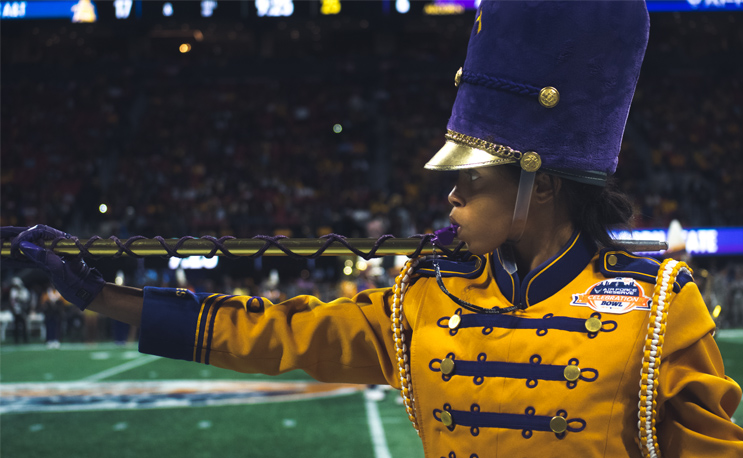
x,y
231,247
263,245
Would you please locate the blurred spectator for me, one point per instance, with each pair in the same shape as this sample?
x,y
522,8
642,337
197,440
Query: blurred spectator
x,y
52,305
20,307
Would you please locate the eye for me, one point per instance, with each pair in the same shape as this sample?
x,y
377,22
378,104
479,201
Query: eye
x,y
472,175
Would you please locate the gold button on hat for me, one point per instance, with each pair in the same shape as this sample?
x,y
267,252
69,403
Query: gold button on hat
x,y
447,366
612,260
530,161
593,324
454,321
571,373
557,424
446,418
549,97
458,77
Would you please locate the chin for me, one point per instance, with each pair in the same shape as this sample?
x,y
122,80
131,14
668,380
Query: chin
x,y
477,250
480,249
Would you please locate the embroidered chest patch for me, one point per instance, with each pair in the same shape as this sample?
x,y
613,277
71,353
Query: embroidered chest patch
x,y
615,295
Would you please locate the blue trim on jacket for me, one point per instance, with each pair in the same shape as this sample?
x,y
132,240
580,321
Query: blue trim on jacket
x,y
169,318
529,422
638,267
549,277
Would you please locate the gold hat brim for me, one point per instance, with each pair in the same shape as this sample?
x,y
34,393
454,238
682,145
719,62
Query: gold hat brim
x,y
457,156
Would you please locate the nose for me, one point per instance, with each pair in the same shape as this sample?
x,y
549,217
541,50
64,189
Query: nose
x,y
455,199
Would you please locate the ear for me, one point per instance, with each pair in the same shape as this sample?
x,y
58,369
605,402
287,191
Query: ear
x,y
546,188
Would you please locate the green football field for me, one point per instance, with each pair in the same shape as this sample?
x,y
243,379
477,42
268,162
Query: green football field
x,y
110,401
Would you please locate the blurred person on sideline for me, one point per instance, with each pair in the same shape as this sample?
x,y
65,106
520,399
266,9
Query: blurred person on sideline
x,y
52,306
534,342
20,307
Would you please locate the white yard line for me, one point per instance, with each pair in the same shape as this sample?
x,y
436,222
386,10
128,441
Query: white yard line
x,y
7,347
142,360
729,334
376,429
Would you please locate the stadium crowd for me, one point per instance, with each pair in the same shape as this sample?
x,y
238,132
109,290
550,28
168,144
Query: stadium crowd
x,y
304,129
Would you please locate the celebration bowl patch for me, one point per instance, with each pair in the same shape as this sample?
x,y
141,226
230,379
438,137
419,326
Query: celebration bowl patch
x,y
615,295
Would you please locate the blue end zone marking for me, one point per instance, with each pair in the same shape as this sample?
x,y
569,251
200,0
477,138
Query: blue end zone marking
x,y
81,396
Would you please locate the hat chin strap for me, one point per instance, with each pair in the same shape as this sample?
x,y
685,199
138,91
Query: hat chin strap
x,y
521,209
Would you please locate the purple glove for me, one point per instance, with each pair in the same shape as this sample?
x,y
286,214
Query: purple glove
x,y
10,232
31,234
75,280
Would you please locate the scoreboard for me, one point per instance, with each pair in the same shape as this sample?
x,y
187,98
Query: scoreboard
x,y
699,241
124,10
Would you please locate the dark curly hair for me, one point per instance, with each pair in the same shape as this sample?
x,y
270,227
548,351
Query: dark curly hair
x,y
596,210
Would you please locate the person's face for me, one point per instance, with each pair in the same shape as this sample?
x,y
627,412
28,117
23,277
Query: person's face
x,y
483,201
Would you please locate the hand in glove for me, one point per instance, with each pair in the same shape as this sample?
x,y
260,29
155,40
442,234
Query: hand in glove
x,y
75,280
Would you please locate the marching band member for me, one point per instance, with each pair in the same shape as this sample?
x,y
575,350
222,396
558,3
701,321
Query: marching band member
x,y
546,339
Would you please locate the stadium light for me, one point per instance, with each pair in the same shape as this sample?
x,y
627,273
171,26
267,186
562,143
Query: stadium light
x,y
208,7
330,7
123,8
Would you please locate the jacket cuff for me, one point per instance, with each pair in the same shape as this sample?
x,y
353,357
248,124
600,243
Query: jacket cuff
x,y
169,320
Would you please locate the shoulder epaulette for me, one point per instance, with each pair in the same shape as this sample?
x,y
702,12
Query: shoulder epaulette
x,y
470,268
615,263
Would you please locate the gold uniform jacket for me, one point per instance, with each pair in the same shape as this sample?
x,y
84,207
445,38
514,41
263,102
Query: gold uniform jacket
x,y
489,385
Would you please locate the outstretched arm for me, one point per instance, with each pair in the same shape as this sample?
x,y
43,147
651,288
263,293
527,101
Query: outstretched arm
x,y
346,340
122,303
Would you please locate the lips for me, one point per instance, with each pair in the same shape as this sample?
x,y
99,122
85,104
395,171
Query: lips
x,y
455,225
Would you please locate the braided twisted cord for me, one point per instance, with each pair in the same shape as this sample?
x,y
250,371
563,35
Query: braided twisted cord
x,y
401,347
124,247
492,82
652,353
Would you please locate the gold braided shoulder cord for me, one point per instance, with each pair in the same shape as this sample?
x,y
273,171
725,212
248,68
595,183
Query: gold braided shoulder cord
x,y
652,353
401,348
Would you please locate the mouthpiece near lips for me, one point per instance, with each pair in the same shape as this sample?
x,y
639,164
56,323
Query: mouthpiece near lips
x,y
445,236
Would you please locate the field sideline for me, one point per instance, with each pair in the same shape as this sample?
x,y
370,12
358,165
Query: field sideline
x,y
105,400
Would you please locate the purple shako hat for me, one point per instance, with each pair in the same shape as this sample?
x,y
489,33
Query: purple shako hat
x,y
548,85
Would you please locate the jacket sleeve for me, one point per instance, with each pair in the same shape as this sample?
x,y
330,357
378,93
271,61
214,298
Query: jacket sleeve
x,y
346,340
696,398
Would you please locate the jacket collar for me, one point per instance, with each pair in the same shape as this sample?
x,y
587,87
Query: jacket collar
x,y
548,278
